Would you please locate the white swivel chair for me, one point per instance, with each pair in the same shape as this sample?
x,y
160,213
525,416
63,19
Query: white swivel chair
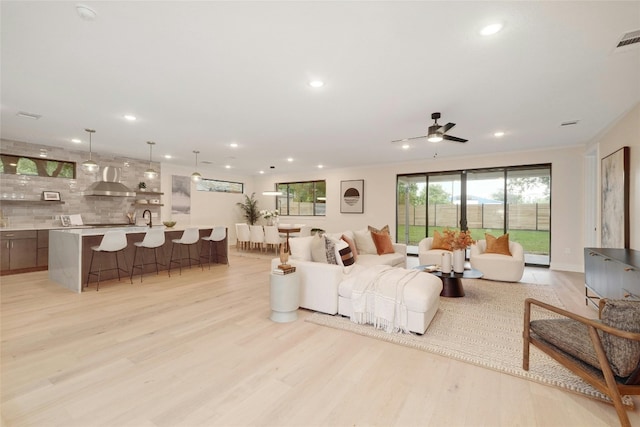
x,y
429,256
243,236
153,239
257,236
504,268
272,237
190,237
112,242
218,234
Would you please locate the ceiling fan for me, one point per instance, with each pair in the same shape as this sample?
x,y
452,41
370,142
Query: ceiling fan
x,y
436,132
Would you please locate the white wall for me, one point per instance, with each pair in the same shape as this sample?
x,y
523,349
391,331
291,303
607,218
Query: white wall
x,y
625,132
208,208
380,195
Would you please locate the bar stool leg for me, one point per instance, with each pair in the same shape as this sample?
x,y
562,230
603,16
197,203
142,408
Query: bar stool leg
x,y
133,265
90,265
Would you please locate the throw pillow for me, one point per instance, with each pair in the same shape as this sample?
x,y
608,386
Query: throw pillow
x,y
382,230
383,243
330,250
439,242
352,245
301,248
499,245
364,242
318,249
344,256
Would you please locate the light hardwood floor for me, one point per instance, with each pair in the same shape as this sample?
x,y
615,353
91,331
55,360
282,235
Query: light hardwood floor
x,y
199,349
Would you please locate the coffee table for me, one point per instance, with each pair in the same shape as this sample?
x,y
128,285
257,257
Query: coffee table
x,y
451,282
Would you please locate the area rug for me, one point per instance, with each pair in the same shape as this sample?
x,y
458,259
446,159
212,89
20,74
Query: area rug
x,y
484,328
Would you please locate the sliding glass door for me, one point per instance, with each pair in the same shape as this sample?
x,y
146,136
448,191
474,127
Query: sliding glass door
x,y
512,200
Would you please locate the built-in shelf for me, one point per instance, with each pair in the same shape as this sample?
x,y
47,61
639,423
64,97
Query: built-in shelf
x,y
147,204
148,193
26,201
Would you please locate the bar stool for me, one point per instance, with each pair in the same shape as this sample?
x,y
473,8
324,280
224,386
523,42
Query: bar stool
x,y
190,237
218,234
153,239
112,242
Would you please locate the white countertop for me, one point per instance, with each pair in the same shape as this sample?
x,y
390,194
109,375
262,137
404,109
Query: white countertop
x,y
98,231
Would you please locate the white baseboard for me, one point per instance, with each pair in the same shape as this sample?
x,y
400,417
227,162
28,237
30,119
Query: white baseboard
x,y
577,268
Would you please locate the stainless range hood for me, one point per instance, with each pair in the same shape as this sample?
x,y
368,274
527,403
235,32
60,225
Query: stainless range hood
x,y
110,185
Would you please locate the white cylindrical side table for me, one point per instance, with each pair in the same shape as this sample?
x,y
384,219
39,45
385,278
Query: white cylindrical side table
x,y
285,297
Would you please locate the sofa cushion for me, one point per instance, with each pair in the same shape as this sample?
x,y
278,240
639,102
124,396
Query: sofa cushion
x,y
394,259
383,243
352,244
499,245
364,242
318,249
439,242
330,250
384,229
344,256
301,248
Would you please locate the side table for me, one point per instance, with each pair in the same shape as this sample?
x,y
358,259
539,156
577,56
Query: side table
x,y
284,296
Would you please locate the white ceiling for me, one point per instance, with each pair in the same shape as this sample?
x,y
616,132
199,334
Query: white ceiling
x,y
200,75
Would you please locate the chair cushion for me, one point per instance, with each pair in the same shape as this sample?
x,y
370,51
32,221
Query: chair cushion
x,y
499,245
439,242
623,354
572,337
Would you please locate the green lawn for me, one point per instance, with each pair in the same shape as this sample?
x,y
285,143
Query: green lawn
x,y
533,242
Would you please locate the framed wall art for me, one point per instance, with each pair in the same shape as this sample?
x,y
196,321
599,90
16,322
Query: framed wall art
x,y
352,196
614,228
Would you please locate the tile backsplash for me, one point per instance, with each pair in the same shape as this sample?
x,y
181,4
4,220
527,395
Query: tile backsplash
x,y
94,209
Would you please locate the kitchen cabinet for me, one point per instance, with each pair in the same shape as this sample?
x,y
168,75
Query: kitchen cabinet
x,y
43,248
19,250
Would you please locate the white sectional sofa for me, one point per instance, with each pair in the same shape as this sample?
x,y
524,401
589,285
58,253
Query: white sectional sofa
x,y
321,283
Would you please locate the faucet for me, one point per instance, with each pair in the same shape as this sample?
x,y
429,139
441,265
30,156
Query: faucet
x,y
143,216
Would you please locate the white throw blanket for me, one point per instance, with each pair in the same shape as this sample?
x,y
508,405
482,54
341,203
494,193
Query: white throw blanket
x,y
378,297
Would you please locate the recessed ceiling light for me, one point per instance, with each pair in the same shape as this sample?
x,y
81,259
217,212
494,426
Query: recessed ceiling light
x,y
28,115
316,83
233,145
320,166
498,134
227,166
85,12
290,159
261,172
167,156
491,29
130,117
76,140
405,146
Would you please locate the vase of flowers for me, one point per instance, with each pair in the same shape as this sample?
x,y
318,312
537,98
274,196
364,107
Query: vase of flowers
x,y
459,242
270,216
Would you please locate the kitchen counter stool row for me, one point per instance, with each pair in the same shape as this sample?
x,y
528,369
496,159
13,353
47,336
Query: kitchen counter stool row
x,y
114,243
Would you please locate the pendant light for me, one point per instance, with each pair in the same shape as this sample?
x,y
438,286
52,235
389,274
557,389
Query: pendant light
x,y
150,173
89,165
195,177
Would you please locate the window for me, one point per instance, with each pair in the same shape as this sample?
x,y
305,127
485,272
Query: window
x,y
36,166
302,198
475,200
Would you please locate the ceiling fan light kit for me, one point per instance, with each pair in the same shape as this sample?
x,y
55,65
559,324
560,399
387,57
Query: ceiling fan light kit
x,y
436,133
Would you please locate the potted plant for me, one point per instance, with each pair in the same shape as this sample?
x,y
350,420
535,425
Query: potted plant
x,y
142,186
250,209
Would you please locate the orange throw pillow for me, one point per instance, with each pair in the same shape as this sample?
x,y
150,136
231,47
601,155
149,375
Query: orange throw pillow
x,y
439,242
498,245
383,243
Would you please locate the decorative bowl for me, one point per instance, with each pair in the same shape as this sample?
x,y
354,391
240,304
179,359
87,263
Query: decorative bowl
x,y
169,224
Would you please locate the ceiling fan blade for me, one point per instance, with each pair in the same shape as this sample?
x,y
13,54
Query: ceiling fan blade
x,y
448,126
409,139
454,138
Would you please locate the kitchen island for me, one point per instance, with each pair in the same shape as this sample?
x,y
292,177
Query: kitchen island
x,y
70,252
